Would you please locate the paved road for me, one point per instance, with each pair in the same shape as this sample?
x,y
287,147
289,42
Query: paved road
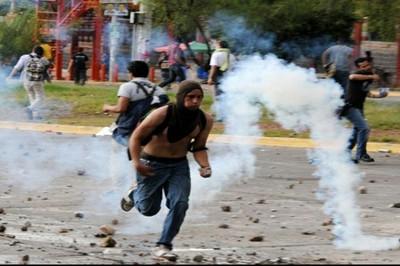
x,y
59,183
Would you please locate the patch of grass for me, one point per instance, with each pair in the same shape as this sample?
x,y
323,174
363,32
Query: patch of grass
x,y
86,109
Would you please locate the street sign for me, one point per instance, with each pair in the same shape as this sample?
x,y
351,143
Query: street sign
x,y
116,10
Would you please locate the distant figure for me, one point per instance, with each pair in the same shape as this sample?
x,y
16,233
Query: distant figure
x,y
221,61
164,66
33,67
78,64
177,64
337,62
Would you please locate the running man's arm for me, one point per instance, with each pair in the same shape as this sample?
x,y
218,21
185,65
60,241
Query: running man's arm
x,y
199,148
120,107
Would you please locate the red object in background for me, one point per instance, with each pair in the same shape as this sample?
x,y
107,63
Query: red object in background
x,y
398,61
103,72
357,37
115,73
152,73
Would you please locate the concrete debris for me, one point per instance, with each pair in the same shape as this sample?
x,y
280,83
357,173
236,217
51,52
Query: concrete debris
x,y
25,259
107,229
327,222
223,226
395,205
79,215
257,239
114,222
65,230
81,172
362,190
108,242
308,233
226,208
2,228
2,211
198,258
261,201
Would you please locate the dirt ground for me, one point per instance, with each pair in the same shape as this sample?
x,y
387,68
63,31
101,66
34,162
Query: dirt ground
x,y
271,217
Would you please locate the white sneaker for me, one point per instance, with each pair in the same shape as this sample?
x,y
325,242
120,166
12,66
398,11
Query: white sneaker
x,y
127,202
162,252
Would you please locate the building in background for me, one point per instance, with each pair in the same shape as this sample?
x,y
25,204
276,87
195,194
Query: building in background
x,y
112,32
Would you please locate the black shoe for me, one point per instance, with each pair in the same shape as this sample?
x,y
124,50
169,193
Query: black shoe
x,y
366,158
355,161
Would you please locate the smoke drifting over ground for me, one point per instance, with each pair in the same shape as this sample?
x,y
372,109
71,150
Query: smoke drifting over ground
x,y
300,101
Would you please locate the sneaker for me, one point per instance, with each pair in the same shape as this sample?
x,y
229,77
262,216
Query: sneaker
x,y
366,158
355,161
162,252
127,202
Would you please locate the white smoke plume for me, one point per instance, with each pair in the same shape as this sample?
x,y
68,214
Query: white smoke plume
x,y
301,101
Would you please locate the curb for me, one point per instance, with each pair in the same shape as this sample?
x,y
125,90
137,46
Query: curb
x,y
220,138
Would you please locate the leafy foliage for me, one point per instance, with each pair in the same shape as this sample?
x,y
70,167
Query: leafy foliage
x,y
383,17
16,36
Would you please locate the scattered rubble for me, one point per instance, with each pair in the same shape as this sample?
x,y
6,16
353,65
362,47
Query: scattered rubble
x,y
108,242
226,208
257,239
107,229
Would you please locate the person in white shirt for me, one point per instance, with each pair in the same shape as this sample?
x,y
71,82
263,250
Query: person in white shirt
x,y
221,61
33,68
132,94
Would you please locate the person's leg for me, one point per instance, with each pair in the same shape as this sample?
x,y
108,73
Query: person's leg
x,y
357,119
177,192
171,78
82,78
147,195
28,85
39,95
180,72
76,76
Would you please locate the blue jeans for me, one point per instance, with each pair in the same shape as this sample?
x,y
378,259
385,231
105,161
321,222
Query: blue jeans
x,y
172,178
123,140
360,131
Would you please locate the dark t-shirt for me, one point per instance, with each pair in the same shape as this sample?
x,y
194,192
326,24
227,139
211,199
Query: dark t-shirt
x,y
80,60
358,90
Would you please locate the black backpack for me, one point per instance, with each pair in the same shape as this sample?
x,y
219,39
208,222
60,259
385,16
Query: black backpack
x,y
137,110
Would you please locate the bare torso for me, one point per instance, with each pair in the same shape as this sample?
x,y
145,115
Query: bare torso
x,y
159,146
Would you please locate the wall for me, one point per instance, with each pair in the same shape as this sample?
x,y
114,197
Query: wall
x,y
384,54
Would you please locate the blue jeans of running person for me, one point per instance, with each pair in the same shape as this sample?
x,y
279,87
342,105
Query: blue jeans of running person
x,y
123,140
360,131
172,177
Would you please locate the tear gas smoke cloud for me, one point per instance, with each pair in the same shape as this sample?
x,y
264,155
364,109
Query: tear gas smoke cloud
x,y
300,101
242,40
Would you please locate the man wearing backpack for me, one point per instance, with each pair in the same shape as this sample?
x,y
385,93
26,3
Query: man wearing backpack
x,y
135,99
78,63
158,148
221,61
33,67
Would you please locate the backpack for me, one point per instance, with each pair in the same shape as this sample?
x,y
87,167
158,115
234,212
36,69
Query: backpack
x,y
35,68
138,110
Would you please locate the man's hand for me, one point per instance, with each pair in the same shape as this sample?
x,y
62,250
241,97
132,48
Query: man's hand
x,y
210,82
205,171
144,170
383,92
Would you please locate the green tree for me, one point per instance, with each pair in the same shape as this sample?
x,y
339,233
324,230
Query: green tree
x,y
383,17
285,23
16,35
